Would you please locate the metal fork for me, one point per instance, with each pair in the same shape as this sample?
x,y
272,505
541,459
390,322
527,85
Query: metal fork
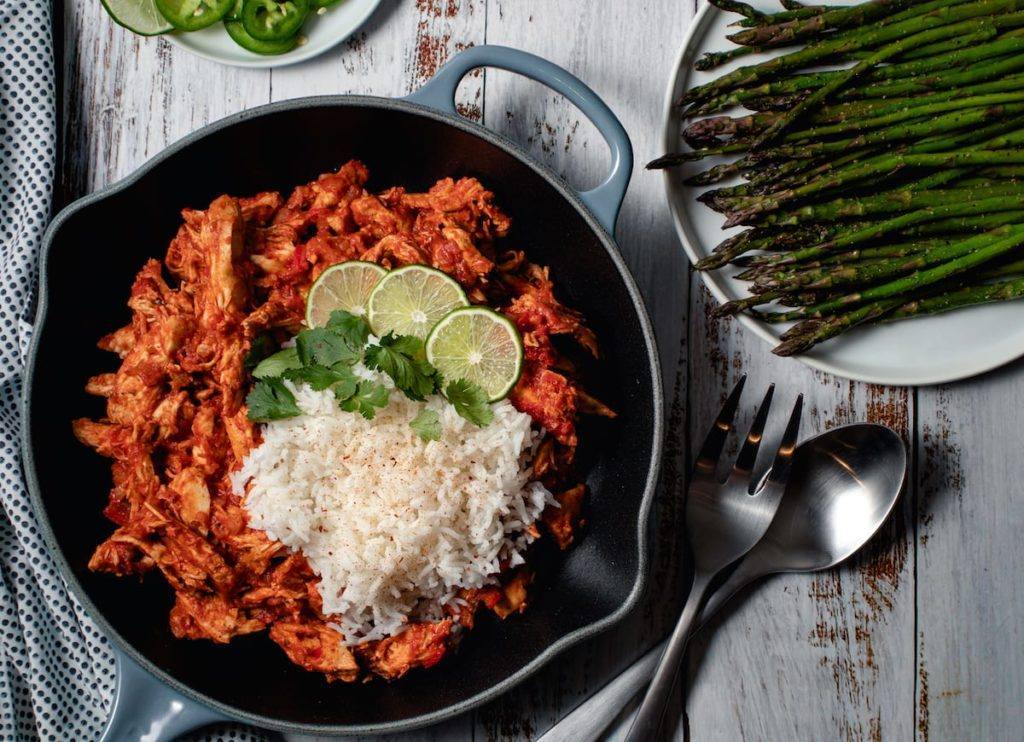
x,y
723,522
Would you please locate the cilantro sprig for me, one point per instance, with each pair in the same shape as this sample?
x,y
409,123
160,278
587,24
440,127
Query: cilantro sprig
x,y
270,399
366,399
403,359
323,358
427,424
470,402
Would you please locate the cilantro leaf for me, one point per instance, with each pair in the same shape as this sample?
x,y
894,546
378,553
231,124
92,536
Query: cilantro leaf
x,y
427,424
408,345
346,388
364,398
277,364
350,326
261,346
270,400
321,377
401,358
323,347
470,402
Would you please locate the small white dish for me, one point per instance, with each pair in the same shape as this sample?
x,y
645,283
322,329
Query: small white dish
x,y
321,31
926,350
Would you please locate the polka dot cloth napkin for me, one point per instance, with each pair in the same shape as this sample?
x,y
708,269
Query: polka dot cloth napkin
x,y
55,677
56,669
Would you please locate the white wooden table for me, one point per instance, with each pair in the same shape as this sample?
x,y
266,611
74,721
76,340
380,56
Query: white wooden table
x,y
920,638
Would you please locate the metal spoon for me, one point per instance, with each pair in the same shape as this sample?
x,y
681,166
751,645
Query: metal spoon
x,y
843,485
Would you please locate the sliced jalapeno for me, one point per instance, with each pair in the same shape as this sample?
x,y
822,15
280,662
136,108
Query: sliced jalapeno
x,y
274,20
192,15
238,33
235,14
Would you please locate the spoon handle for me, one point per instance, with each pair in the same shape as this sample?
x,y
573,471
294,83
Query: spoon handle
x,y
743,575
587,721
652,708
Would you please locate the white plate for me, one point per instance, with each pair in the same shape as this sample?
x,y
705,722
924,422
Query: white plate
x,y
927,350
321,31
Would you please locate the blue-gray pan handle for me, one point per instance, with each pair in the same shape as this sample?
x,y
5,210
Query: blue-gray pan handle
x,y
146,710
604,200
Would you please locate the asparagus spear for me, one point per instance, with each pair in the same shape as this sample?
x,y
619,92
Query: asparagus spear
x,y
855,114
839,112
887,52
917,280
707,130
962,224
795,240
857,255
908,113
734,6
892,201
790,14
949,45
985,293
858,15
873,271
875,37
899,132
741,305
995,68
916,129
817,331
889,226
878,166
758,239
943,228
710,60
854,18
950,70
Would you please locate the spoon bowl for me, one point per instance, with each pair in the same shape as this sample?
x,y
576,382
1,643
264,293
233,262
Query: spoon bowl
x,y
843,487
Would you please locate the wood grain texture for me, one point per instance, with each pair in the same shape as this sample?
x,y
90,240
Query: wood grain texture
x,y
970,589
918,637
127,97
802,657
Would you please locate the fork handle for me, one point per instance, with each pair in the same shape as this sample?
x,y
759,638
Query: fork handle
x,y
652,709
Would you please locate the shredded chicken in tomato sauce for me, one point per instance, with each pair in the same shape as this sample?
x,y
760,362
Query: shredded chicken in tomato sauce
x,y
176,424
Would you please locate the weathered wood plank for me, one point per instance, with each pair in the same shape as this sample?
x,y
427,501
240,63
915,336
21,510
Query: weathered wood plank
x,y
970,588
399,49
828,656
599,42
127,97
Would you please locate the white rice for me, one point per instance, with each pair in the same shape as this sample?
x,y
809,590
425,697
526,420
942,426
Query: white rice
x,y
394,526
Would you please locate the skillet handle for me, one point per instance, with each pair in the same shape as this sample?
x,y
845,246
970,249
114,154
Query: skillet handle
x,y
604,200
146,710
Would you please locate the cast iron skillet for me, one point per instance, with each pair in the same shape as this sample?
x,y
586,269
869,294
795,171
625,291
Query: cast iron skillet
x,y
93,249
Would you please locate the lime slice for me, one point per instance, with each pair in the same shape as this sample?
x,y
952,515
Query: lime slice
x,y
140,16
478,345
411,300
343,286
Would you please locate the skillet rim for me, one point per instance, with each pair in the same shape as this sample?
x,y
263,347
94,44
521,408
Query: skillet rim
x,y
606,240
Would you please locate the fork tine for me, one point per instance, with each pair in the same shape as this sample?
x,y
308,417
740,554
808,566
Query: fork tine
x,y
748,453
779,473
707,459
